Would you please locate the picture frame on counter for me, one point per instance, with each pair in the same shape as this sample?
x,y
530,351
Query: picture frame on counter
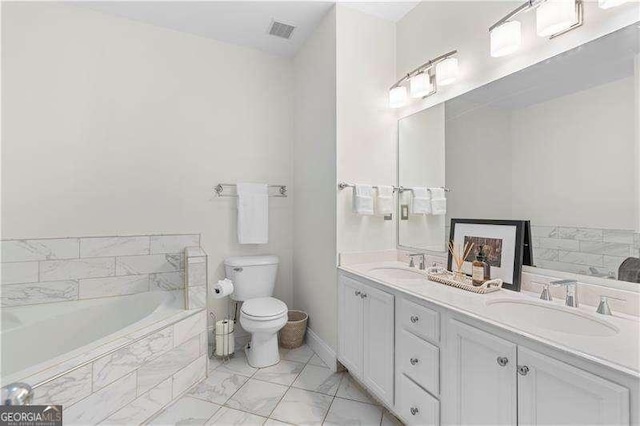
x,y
506,246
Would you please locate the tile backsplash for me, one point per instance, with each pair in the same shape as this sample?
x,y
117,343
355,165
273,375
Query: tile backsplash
x,y
63,269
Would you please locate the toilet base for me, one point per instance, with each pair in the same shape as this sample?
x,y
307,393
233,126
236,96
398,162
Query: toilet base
x,y
262,351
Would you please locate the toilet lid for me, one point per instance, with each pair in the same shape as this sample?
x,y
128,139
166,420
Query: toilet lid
x,y
264,307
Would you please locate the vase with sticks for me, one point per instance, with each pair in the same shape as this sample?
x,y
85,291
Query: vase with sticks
x,y
459,254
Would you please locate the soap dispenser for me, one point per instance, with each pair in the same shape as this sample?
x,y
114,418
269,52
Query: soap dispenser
x,y
480,269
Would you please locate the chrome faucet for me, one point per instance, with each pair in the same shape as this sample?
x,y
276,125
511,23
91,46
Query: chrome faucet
x,y
17,394
603,307
412,264
572,291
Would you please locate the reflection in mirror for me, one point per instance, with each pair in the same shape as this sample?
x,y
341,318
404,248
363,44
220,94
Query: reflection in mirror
x,y
556,143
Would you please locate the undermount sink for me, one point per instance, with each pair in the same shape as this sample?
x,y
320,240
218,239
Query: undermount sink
x,y
396,273
527,313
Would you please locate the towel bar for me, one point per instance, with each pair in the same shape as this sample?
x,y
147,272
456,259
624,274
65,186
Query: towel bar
x,y
219,190
343,185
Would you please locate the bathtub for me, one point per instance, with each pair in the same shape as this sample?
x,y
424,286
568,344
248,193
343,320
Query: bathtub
x,y
35,338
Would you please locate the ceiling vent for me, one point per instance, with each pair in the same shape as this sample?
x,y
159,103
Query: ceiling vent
x,y
281,30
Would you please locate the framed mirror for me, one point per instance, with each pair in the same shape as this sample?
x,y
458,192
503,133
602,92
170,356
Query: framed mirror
x,y
556,143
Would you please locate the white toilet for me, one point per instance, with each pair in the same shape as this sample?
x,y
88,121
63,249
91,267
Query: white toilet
x,y
261,315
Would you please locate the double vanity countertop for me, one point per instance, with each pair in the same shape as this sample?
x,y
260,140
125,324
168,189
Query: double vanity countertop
x,y
612,341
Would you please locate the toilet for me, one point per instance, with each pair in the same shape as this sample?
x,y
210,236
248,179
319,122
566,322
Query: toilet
x,y
254,278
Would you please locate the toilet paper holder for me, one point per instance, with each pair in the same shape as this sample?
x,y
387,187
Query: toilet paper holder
x,y
223,338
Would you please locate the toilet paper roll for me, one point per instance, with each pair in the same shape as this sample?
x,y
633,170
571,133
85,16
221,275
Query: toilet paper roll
x,y
225,344
222,288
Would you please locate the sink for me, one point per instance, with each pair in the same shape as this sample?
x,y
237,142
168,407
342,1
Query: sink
x,y
396,273
529,313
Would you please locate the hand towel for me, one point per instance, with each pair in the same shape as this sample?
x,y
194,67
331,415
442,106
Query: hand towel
x,y
421,200
384,201
363,199
438,201
253,213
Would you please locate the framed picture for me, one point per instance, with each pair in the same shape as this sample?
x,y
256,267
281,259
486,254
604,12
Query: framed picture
x,y
502,242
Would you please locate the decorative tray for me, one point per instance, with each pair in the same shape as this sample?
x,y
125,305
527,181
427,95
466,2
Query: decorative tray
x,y
449,278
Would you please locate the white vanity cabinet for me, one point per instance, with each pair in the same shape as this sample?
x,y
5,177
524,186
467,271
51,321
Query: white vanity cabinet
x,y
366,335
490,380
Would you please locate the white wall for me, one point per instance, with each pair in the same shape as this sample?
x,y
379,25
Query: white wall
x,y
366,127
435,27
314,165
113,127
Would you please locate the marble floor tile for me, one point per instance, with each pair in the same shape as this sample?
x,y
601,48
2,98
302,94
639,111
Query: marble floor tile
x,y
237,365
185,411
218,387
257,397
228,416
389,419
315,360
283,373
302,407
274,422
347,412
349,389
302,354
318,379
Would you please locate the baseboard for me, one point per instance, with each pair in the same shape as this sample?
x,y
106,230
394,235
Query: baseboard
x,y
324,351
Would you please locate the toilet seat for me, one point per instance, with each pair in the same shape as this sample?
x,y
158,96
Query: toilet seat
x,y
263,308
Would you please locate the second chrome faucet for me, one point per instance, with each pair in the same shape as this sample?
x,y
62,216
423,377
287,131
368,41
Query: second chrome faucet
x,y
571,298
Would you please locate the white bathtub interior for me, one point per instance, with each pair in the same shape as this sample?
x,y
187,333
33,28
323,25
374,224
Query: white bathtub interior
x,y
38,336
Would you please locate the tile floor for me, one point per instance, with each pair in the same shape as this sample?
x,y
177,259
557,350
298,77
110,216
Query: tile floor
x,y
298,390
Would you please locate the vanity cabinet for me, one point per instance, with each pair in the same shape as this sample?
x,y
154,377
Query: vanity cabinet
x,y
366,335
493,381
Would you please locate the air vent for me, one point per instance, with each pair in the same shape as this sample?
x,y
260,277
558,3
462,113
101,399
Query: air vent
x,y
281,30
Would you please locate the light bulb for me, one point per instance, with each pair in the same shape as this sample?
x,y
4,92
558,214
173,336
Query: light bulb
x,y
397,96
607,4
447,71
420,85
554,16
506,39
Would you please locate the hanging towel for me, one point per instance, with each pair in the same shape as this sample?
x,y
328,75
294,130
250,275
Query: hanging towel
x,y
253,213
421,201
438,201
363,199
384,201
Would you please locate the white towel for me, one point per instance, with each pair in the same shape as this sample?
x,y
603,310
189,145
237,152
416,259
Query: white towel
x,y
384,201
253,213
438,201
421,200
363,199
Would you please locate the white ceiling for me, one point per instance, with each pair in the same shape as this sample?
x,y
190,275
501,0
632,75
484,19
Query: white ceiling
x,y
243,23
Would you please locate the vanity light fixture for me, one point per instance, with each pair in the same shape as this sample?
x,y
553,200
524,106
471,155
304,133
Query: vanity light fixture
x,y
423,80
553,18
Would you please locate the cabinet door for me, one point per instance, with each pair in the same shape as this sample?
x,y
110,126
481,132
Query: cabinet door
x,y
479,383
350,332
551,392
378,342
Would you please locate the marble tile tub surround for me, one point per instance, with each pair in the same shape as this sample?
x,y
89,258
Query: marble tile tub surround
x,y
135,379
63,269
298,390
589,288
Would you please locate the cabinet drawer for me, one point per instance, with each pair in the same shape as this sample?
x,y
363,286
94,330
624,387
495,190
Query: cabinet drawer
x,y
419,320
416,406
420,361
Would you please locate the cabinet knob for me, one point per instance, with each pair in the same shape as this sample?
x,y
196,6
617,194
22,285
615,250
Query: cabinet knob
x,y
413,361
358,293
238,269
523,370
363,295
414,319
502,361
414,411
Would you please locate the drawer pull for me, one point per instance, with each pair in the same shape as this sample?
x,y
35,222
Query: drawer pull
x,y
363,295
358,293
523,370
414,411
414,319
413,361
502,361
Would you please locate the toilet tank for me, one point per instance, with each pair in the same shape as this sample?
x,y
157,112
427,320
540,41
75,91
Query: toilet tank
x,y
252,276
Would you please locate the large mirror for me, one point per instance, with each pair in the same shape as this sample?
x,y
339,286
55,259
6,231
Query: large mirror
x,y
556,144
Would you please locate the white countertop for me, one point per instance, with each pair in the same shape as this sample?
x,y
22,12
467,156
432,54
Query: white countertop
x,y
620,352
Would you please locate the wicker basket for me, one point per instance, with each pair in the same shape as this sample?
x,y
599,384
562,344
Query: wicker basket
x,y
292,334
